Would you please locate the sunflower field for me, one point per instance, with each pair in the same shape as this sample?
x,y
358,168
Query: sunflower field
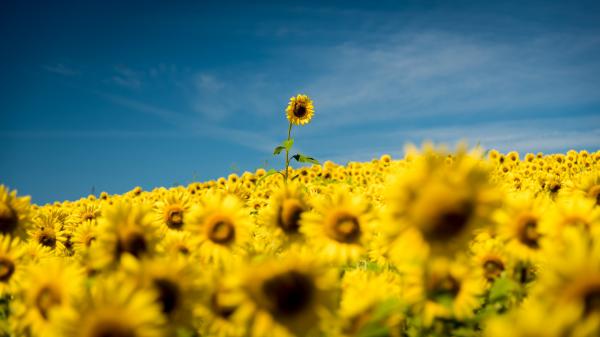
x,y
439,243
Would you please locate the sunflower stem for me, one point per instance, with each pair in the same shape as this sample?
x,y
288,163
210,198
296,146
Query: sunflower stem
x,y
287,155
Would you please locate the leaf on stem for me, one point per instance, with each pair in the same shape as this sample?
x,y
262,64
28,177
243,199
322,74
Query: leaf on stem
x,y
305,159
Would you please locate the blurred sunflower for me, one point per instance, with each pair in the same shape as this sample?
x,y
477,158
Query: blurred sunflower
x,y
451,290
48,230
15,217
300,110
177,282
222,225
570,280
125,228
285,207
44,288
178,243
11,252
113,308
520,224
172,209
220,307
289,297
446,197
489,258
340,226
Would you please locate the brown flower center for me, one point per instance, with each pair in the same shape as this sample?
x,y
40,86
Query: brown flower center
x,y
8,218
111,328
174,217
47,238
528,233
300,110
492,268
218,308
289,293
445,286
594,193
449,223
221,231
7,268
345,228
133,243
168,294
45,299
591,300
289,215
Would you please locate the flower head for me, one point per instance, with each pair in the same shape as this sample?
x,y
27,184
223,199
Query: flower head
x,y
300,110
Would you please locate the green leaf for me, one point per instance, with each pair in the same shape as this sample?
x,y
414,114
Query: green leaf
x,y
287,144
305,159
502,287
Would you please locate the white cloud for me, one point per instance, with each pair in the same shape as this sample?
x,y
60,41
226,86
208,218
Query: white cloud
x,y
62,69
127,77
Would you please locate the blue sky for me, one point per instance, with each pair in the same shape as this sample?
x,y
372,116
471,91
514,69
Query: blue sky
x,y
105,96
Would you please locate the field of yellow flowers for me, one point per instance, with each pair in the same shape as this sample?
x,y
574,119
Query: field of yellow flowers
x,y
439,243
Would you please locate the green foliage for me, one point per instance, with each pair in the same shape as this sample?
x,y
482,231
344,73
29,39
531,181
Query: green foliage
x,y
285,145
305,159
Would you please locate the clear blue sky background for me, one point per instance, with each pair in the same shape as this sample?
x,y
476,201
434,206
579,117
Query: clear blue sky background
x,y
106,95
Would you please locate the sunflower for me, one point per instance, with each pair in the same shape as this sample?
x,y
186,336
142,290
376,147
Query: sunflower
x,y
450,290
290,296
178,243
285,207
300,110
172,209
570,278
520,224
446,197
113,308
364,294
340,226
220,307
48,231
176,281
125,228
222,225
15,217
44,288
489,258
531,319
11,252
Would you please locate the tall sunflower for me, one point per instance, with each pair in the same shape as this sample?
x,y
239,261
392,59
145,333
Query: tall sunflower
x,y
300,110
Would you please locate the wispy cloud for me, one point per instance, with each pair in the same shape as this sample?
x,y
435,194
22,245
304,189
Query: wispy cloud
x,y
533,135
127,77
191,125
61,69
